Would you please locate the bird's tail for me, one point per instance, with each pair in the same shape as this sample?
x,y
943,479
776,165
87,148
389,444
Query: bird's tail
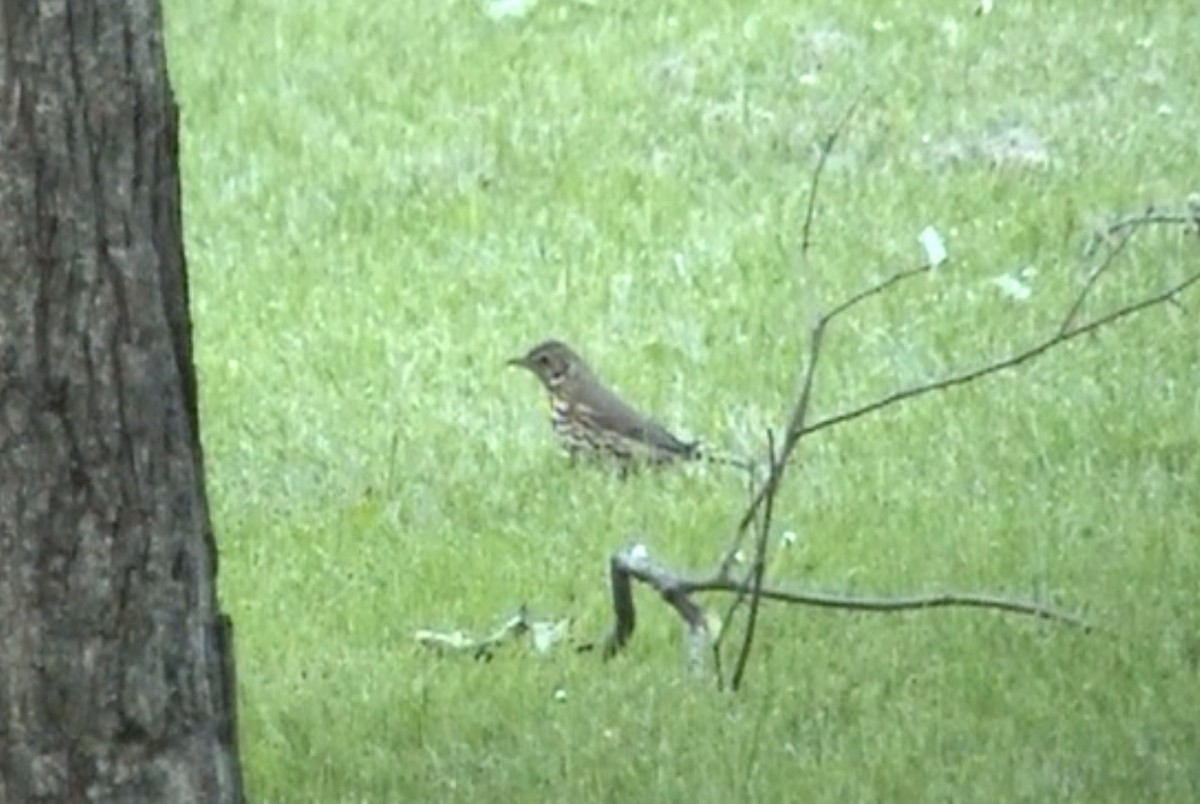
x,y
700,452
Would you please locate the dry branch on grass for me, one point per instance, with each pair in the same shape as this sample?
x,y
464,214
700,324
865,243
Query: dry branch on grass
x,y
635,562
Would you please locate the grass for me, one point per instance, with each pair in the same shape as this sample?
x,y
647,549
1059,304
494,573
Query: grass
x,y
386,201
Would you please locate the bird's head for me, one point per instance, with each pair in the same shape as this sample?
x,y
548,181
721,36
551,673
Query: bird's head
x,y
553,362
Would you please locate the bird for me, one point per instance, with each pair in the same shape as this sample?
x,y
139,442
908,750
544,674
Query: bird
x,y
591,420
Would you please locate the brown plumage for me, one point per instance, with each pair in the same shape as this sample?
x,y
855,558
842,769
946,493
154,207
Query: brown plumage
x,y
588,418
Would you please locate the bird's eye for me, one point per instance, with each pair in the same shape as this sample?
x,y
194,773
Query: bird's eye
x,y
544,360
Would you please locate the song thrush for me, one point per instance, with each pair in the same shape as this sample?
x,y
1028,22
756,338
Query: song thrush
x,y
590,419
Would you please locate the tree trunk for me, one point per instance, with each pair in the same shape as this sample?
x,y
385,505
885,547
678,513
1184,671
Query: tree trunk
x,y
116,669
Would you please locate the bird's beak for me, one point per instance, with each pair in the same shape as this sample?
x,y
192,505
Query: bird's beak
x,y
518,361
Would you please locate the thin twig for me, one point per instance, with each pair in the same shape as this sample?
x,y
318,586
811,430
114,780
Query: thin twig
x,y
826,148
1094,276
879,287
757,573
889,604
797,417
1137,221
1005,363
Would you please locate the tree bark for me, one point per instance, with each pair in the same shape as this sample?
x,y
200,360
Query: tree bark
x,y
116,669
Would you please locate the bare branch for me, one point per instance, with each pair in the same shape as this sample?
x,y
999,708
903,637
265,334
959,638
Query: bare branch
x,y
1148,218
798,429
1005,363
757,572
795,429
877,288
889,604
624,612
634,563
778,463
1094,276
826,148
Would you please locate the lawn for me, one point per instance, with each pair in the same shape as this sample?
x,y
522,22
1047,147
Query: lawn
x,y
384,202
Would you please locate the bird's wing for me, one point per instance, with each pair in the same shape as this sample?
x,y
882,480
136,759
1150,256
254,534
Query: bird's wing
x,y
613,413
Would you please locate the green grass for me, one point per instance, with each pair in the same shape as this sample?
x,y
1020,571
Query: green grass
x,y
386,201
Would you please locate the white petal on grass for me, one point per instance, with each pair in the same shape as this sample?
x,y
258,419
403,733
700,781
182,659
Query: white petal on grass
x,y
507,9
935,249
1013,286
548,634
